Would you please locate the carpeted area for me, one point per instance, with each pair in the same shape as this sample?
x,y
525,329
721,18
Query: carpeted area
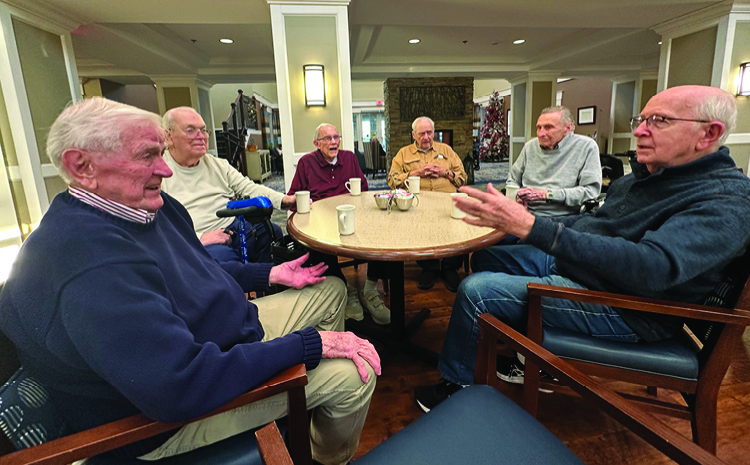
x,y
496,173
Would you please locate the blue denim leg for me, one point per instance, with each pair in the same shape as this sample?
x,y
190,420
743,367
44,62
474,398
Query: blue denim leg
x,y
518,259
505,297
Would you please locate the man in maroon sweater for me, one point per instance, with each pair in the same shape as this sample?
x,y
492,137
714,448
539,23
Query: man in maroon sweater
x,y
324,173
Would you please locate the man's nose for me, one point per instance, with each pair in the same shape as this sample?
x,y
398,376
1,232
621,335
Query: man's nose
x,y
162,169
641,130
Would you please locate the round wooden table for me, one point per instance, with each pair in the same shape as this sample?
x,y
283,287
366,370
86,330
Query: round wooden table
x,y
423,232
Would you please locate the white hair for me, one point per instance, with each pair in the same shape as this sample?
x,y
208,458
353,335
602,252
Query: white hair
x,y
167,120
95,125
414,124
321,126
566,118
721,107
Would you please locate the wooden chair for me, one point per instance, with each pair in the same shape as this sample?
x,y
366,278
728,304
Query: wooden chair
x,y
85,444
369,163
480,425
691,364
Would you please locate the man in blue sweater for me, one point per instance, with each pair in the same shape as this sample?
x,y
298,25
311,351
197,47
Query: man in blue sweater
x,y
668,231
116,307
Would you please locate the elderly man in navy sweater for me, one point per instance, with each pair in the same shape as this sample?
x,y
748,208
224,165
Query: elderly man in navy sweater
x,y
117,308
668,230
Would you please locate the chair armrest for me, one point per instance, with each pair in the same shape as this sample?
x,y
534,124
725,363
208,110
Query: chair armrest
x,y
702,312
645,425
128,430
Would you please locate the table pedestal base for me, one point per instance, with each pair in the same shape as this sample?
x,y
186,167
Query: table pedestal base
x,y
397,336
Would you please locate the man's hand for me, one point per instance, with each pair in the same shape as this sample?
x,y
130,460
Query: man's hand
x,y
529,194
433,171
347,345
288,201
292,274
494,210
216,237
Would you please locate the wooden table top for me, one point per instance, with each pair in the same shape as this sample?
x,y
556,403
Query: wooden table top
x,y
422,232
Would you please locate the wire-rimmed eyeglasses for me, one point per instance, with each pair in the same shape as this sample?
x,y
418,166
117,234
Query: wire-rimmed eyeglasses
x,y
329,139
658,121
193,132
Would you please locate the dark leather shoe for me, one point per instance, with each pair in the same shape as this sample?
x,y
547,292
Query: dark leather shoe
x,y
427,279
451,279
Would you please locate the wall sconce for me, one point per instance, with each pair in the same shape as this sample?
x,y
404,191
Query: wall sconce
x,y
743,88
315,85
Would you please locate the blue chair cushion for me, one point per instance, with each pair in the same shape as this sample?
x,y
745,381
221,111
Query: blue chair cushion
x,y
28,418
673,357
477,425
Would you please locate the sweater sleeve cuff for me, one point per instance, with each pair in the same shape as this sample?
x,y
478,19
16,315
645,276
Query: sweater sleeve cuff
x,y
557,195
544,234
260,278
312,347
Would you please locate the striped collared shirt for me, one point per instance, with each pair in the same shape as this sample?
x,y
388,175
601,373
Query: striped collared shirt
x,y
135,215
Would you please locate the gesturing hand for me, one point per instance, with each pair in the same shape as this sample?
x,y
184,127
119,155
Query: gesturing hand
x,y
495,210
292,274
347,345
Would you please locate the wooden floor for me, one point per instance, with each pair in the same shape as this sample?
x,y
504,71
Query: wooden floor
x,y
592,435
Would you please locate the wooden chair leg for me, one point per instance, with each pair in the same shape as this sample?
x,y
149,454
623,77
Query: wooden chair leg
x,y
652,391
703,423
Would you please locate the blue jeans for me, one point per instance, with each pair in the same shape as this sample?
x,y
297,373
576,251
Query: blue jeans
x,y
258,243
498,287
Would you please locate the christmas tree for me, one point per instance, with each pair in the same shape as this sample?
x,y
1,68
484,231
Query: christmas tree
x,y
494,142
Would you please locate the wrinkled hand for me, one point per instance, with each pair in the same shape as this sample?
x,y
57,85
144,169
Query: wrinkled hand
x,y
216,237
494,210
529,194
292,274
433,171
347,345
288,201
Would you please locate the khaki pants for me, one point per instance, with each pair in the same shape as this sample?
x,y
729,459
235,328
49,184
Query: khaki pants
x,y
335,393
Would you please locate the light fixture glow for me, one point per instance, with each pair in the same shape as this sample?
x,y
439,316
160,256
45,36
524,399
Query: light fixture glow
x,y
659,43
415,41
519,41
226,41
743,88
315,85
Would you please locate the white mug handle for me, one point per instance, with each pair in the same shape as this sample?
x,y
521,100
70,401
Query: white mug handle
x,y
348,186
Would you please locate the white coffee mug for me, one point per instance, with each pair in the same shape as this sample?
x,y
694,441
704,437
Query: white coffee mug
x,y
412,183
455,212
511,192
354,186
303,201
345,214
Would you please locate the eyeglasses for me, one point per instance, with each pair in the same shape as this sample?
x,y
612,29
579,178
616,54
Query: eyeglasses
x,y
658,121
192,132
329,139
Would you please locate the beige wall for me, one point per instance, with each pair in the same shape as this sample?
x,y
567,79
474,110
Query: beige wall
x,y
585,92
322,51
624,107
648,90
177,97
741,155
541,98
485,87
692,58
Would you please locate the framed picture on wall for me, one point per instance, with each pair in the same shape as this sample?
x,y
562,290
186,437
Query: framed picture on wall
x,y
586,115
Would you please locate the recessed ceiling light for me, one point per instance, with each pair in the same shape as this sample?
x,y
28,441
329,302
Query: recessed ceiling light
x,y
660,42
226,41
415,41
519,41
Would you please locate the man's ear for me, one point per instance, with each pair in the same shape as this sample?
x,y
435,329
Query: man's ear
x,y
711,136
77,164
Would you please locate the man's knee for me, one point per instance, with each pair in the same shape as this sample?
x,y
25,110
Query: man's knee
x,y
339,386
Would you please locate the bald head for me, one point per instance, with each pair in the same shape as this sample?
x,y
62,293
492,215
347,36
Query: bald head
x,y
682,124
187,137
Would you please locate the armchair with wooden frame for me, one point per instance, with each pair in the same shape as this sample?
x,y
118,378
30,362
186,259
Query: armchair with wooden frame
x,y
692,364
478,424
241,448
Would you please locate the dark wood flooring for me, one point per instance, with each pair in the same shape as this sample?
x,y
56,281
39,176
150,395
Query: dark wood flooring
x,y
591,434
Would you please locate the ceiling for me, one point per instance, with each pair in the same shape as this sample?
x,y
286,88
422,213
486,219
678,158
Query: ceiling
x,y
127,41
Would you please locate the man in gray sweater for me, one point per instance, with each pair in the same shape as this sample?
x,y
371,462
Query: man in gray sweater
x,y
558,170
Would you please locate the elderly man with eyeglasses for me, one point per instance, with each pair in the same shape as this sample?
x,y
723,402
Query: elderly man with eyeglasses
x,y
205,183
668,230
324,173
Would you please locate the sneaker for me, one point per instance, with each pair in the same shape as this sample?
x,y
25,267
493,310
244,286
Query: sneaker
x,y
374,305
430,396
451,279
510,370
354,309
427,279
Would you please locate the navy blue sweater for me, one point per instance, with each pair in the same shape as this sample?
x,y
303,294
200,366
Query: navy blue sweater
x,y
668,235
116,318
